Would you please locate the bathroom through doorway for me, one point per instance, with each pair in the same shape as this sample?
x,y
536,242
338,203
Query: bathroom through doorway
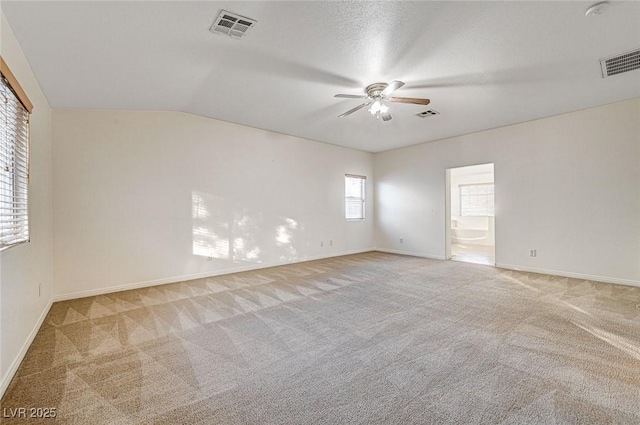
x,y
471,214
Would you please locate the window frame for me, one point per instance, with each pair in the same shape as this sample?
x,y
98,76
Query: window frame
x,y
17,149
361,199
465,185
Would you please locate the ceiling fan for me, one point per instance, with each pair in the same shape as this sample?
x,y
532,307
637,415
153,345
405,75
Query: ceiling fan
x,y
377,96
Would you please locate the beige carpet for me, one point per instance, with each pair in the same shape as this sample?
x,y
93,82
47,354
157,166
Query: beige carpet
x,y
362,339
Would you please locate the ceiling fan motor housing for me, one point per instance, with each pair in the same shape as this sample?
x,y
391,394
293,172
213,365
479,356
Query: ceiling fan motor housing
x,y
375,89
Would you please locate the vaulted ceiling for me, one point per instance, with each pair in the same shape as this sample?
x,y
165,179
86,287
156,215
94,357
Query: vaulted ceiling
x,y
482,64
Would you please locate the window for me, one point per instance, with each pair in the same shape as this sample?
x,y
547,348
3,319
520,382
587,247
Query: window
x,y
14,160
476,200
354,197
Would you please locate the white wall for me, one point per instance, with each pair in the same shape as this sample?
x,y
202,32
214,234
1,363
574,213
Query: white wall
x,y
147,197
23,268
567,186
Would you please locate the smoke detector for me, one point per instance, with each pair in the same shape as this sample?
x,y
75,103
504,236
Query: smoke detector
x,y
597,9
232,24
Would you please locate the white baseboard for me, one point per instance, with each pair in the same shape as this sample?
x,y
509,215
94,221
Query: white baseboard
x,y
411,253
174,279
6,379
628,282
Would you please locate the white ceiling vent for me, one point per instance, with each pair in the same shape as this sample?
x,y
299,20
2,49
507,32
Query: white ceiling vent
x,y
232,24
428,113
618,64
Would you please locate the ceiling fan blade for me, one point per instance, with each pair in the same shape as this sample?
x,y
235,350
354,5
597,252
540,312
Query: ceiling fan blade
x,y
351,96
357,108
395,85
409,100
385,116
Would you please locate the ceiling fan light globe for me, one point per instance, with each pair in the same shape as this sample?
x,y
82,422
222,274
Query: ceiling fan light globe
x,y
376,107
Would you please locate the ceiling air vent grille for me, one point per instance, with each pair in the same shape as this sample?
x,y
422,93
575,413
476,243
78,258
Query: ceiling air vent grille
x,y
232,24
428,113
618,64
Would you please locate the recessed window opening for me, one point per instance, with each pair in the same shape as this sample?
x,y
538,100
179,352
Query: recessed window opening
x,y
354,196
14,160
476,200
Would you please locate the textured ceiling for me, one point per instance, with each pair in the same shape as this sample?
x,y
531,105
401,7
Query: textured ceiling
x,y
482,64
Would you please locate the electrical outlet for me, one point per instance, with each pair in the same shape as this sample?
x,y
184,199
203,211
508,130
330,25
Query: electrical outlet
x,y
321,243
532,253
401,240
331,242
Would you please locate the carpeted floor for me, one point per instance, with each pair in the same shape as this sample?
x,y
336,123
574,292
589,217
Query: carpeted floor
x,y
363,339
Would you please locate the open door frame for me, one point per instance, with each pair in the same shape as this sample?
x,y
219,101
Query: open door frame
x,y
447,214
447,209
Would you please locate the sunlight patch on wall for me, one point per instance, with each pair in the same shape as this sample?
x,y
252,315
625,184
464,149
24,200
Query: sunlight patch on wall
x,y
208,242
284,232
284,239
242,252
223,230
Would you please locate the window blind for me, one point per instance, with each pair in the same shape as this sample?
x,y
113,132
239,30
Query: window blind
x,y
354,197
14,167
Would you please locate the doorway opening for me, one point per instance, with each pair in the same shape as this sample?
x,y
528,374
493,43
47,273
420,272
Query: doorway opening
x,y
470,227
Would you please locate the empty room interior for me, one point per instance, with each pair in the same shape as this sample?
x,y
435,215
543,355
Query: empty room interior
x,y
319,212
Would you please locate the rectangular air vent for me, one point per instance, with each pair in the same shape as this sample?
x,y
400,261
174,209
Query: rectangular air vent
x,y
618,64
232,24
428,113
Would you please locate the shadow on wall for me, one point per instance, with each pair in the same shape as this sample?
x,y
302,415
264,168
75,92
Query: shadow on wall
x,y
222,230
